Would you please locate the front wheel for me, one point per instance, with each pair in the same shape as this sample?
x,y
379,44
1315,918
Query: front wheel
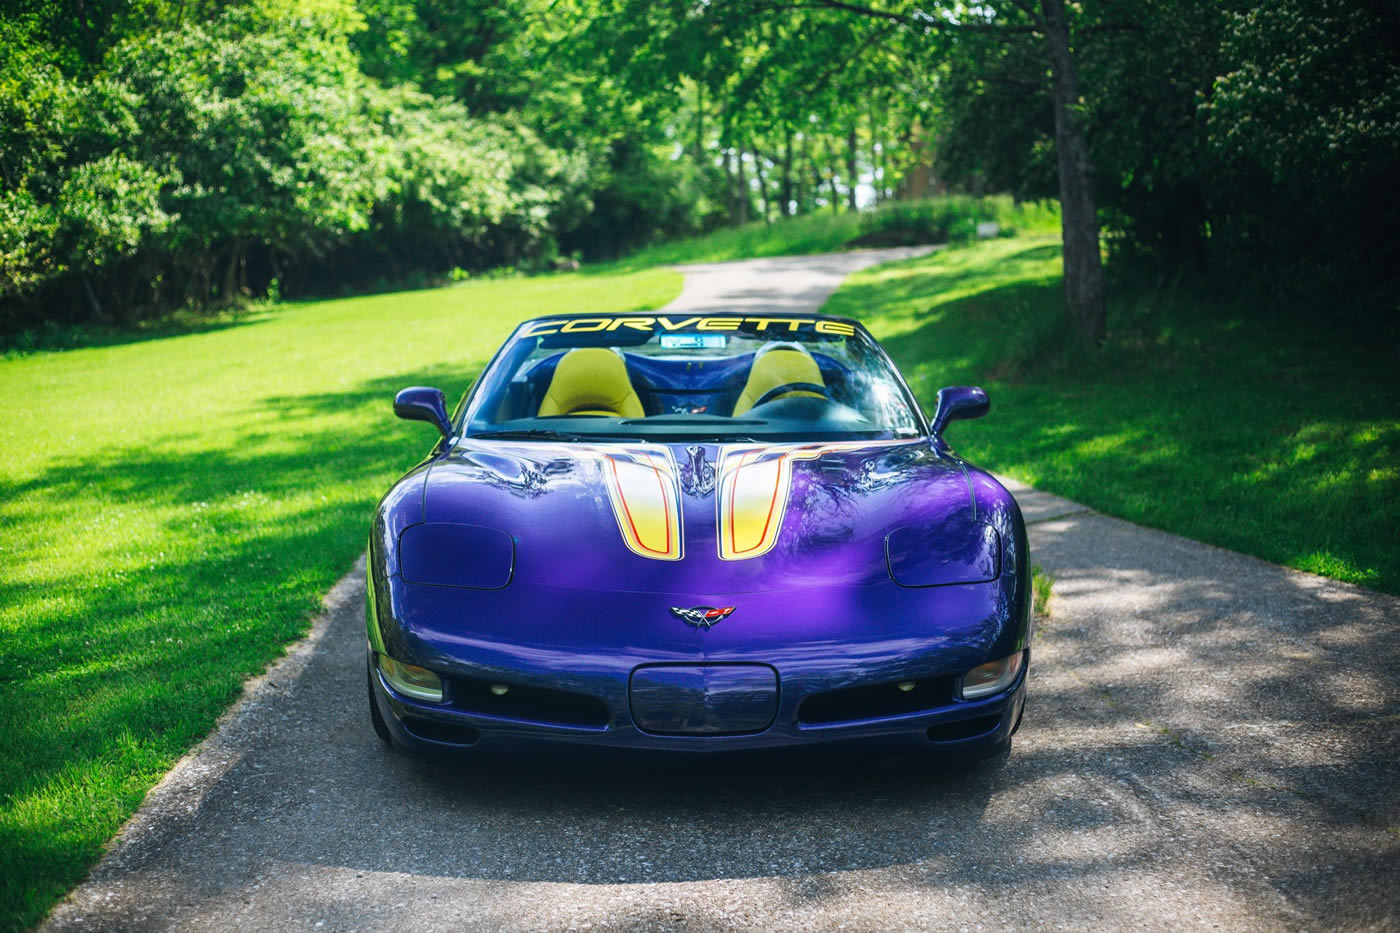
x,y
376,718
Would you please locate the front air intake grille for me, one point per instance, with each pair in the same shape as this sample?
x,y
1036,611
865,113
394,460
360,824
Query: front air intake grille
x,y
444,732
876,701
530,704
965,729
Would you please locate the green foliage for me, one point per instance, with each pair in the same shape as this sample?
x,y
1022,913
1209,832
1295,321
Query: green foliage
x,y
343,144
173,153
1258,427
1249,140
107,208
936,220
1306,126
26,229
206,161
1279,107
163,541
953,219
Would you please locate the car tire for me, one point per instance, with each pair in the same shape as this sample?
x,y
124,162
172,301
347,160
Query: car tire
x,y
376,718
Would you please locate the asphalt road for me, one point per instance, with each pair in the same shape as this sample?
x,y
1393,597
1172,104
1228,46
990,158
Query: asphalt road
x,y
1211,742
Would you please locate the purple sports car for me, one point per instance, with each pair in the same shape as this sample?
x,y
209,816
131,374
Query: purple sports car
x,y
696,533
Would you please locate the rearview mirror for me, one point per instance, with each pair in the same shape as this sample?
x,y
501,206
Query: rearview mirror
x,y
423,403
956,403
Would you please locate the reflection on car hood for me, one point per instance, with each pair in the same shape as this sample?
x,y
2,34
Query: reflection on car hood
x,y
699,518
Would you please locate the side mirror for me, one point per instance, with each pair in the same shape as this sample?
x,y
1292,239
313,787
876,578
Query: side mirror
x,y
956,403
422,403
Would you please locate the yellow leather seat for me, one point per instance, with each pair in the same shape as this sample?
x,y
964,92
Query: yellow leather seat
x,y
779,366
591,381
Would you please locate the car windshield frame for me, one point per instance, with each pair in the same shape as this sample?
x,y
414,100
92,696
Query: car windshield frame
x,y
643,330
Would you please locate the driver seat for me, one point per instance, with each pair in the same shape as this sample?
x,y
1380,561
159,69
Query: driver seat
x,y
591,381
778,365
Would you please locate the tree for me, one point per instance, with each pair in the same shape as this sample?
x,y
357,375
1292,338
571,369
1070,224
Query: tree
x,y
1079,216
1083,280
1304,125
673,39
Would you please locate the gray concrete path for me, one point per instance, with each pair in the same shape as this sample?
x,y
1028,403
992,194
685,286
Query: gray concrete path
x,y
799,284
1211,743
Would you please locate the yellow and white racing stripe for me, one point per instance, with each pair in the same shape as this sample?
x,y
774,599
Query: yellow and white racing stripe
x,y
644,488
752,485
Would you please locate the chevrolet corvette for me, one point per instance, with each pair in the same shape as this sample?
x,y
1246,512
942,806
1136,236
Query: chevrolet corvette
x,y
696,533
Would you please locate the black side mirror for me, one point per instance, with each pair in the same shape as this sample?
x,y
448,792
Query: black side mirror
x,y
422,403
956,403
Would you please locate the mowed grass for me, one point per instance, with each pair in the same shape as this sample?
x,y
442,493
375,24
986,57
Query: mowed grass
x,y
935,220
1273,431
174,509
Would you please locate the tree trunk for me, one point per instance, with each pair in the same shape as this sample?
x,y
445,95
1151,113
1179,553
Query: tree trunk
x,y
762,186
804,177
835,195
851,169
732,187
93,303
877,160
785,189
231,275
699,126
743,190
1079,219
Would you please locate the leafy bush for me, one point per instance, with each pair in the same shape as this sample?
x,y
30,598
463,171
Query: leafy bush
x,y
1306,126
203,163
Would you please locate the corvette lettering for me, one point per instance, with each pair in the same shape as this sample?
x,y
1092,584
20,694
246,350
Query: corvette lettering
x,y
590,325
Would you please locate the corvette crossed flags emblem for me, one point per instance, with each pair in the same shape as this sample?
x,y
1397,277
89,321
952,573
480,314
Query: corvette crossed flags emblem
x,y
702,616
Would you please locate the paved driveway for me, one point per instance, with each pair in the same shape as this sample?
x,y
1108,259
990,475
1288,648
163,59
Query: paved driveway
x,y
1211,742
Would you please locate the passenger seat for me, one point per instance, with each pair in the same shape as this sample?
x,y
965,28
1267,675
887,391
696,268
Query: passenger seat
x,y
591,381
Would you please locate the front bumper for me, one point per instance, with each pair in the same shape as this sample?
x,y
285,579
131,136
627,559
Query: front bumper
x,y
948,726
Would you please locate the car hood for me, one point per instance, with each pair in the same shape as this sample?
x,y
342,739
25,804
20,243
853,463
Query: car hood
x,y
703,518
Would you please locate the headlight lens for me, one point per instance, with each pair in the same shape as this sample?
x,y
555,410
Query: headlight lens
x,y
940,554
411,680
992,677
448,554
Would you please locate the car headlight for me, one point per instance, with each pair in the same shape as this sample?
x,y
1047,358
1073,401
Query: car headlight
x,y
411,680
450,554
992,677
938,554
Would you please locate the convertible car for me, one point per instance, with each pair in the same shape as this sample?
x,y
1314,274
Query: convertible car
x,y
696,533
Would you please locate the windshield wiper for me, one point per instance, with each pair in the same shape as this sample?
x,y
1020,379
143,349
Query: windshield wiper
x,y
543,434
712,421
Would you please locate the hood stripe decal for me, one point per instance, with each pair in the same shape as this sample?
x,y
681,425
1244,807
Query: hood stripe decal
x,y
753,484
644,489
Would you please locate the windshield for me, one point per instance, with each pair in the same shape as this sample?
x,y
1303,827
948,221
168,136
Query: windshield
x,y
692,377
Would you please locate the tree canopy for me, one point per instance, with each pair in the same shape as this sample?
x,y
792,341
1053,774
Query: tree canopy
x,y
158,154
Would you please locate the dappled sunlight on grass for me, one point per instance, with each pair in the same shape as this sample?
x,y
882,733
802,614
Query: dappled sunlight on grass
x,y
1277,437
175,509
928,221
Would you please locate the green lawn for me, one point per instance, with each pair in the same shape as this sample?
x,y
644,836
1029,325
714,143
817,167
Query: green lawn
x,y
1266,430
173,509
931,221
